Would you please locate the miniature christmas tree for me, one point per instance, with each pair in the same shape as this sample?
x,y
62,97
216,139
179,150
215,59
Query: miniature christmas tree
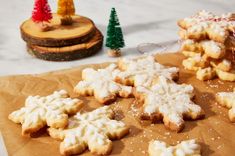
x,y
114,38
42,14
66,10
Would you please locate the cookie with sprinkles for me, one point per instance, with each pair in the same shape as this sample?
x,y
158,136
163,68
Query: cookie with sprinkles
x,y
101,83
206,25
93,130
186,148
143,71
41,111
168,102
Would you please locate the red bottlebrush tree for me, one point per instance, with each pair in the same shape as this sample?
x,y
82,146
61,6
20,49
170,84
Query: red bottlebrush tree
x,y
41,12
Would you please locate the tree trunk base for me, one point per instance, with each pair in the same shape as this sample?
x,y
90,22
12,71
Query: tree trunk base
x,y
68,53
114,52
67,20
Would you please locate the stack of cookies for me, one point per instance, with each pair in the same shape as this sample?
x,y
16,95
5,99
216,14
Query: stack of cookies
x,y
208,42
62,42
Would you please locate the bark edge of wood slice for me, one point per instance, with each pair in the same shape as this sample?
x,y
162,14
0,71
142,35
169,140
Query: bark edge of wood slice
x,y
68,53
81,31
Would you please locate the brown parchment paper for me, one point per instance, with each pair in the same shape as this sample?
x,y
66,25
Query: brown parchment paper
x,y
215,133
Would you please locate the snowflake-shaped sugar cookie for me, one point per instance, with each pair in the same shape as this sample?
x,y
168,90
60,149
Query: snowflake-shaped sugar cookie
x,y
169,102
51,110
227,99
143,71
92,130
101,84
205,25
185,148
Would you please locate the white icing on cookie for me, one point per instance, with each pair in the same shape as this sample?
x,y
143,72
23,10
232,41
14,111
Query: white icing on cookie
x,y
199,27
169,99
205,16
101,82
49,110
144,70
209,47
213,45
185,148
226,62
195,62
227,99
92,130
216,27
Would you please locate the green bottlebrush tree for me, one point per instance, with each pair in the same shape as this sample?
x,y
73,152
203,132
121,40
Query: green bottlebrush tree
x,y
114,38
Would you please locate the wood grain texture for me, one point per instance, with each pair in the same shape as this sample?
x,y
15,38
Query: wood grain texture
x,y
82,30
68,53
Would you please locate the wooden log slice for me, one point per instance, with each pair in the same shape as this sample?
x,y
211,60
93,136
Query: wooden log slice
x,y
82,30
68,53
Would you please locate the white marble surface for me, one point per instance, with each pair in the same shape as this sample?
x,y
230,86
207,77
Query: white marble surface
x,y
142,21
